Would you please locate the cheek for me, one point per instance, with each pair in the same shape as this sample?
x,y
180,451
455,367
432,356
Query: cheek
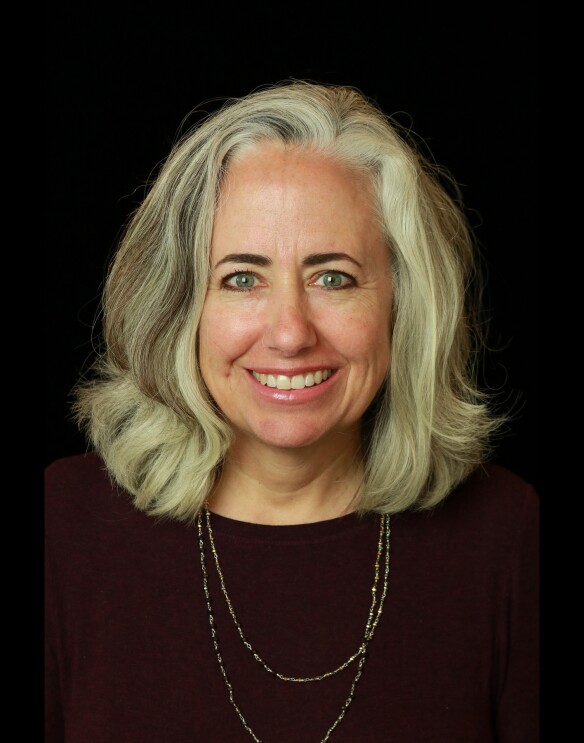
x,y
224,335
367,340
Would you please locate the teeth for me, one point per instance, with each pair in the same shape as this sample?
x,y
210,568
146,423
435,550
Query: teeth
x,y
297,382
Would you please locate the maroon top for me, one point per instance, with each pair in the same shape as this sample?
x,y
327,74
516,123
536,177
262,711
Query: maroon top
x,y
130,659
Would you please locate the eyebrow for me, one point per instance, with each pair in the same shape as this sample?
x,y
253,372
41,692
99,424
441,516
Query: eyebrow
x,y
314,259
253,258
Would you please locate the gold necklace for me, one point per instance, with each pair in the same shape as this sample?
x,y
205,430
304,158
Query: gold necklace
x,y
360,653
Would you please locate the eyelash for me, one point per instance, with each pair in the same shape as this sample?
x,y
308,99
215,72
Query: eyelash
x,y
229,287
352,279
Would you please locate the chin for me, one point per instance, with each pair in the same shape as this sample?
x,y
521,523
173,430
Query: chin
x,y
289,439
284,435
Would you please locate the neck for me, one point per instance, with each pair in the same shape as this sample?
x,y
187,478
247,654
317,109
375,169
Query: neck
x,y
266,485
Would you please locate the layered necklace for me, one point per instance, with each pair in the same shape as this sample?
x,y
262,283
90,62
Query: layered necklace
x,y
383,545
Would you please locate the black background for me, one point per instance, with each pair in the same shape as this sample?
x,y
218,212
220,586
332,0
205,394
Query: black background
x,y
119,82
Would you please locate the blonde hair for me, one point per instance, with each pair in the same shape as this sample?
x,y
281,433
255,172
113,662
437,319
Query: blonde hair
x,y
145,407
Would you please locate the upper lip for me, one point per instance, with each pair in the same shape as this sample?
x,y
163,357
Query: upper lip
x,y
290,372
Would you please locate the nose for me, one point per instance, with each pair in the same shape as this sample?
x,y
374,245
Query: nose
x,y
289,328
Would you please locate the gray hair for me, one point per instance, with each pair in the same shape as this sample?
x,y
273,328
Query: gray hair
x,y
145,407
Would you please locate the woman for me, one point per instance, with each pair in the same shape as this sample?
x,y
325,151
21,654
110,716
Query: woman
x,y
288,528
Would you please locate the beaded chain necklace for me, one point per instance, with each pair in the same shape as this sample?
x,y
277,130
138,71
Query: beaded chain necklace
x,y
383,544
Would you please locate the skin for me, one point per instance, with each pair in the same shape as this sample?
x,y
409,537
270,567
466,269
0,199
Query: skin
x,y
300,282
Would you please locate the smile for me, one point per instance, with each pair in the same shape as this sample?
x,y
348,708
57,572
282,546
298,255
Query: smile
x,y
297,382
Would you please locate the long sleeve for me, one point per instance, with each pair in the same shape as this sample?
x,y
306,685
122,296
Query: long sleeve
x,y
518,711
54,723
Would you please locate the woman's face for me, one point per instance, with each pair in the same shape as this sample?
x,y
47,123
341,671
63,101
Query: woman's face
x,y
294,340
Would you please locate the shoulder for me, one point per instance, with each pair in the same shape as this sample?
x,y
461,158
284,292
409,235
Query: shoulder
x,y
79,469
80,495
93,528
493,478
488,517
496,513
492,492
496,493
78,476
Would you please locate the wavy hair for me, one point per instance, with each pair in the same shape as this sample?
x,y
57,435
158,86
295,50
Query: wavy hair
x,y
144,405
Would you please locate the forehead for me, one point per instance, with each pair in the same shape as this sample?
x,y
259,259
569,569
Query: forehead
x,y
272,177
288,205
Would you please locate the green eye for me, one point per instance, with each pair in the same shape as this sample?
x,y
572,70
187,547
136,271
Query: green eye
x,y
332,279
242,280
335,280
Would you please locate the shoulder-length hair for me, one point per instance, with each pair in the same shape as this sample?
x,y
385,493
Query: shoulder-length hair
x,y
145,407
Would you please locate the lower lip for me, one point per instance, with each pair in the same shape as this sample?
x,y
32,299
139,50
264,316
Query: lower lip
x,y
307,394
